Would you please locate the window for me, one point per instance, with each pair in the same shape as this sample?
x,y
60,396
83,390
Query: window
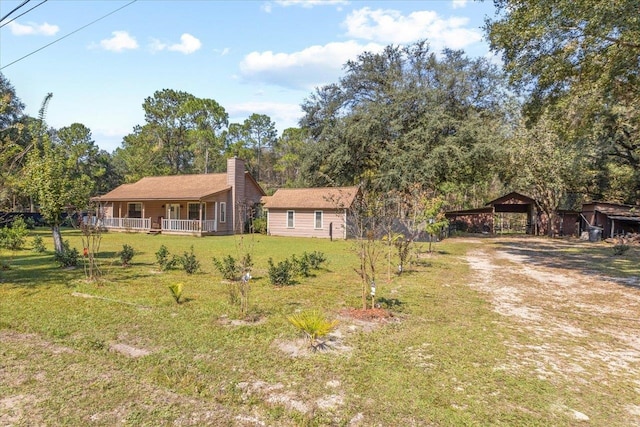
x,y
194,211
318,220
134,210
223,212
290,219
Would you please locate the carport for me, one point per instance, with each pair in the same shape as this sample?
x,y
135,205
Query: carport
x,y
490,218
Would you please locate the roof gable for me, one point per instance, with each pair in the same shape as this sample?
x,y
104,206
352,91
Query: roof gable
x,y
312,198
513,198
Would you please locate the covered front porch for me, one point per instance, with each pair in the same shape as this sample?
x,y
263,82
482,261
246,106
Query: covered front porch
x,y
196,218
167,226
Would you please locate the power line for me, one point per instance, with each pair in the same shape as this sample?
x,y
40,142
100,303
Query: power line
x,y
23,13
16,8
69,34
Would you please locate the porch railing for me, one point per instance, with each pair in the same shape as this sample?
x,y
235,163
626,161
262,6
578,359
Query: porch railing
x,y
188,225
177,225
127,223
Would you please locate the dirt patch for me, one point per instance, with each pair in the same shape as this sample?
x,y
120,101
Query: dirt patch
x,y
11,337
128,350
225,321
580,327
279,394
12,408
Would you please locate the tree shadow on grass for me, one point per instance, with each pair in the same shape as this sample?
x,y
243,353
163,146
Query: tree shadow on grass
x,y
389,303
579,256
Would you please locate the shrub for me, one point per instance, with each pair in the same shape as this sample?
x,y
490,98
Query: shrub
x,y
316,259
313,324
38,245
162,257
126,255
228,267
620,248
176,291
281,274
301,265
189,262
260,225
68,257
13,237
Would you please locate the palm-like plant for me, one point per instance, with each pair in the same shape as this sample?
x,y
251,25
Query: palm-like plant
x,y
314,325
176,291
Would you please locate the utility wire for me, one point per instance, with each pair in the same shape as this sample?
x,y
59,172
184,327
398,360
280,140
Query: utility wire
x,y
69,34
16,8
23,13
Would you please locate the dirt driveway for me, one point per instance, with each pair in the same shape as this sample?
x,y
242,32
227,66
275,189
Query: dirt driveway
x,y
569,325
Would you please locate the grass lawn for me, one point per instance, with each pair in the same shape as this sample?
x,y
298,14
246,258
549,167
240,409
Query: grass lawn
x,y
133,356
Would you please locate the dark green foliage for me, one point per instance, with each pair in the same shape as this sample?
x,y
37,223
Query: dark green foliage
x,y
406,115
301,265
126,255
13,237
315,258
38,245
189,262
285,271
68,257
282,273
228,267
163,259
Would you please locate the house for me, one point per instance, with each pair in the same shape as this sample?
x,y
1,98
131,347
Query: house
x,y
309,212
203,204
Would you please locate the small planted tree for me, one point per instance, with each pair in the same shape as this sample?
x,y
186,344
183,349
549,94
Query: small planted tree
x,y
164,259
314,325
365,222
189,262
126,255
91,234
433,217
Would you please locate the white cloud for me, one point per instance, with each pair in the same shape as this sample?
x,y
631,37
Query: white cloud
x,y
458,4
284,115
188,44
306,69
391,26
32,28
120,41
310,3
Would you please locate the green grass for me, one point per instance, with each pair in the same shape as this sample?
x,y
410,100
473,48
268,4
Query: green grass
x,y
435,364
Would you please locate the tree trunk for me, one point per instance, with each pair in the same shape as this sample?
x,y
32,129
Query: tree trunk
x,y
57,238
550,220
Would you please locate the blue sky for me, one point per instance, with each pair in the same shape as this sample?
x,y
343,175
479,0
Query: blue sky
x,y
261,57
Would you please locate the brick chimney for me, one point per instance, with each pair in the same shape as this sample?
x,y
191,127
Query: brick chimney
x,y
235,178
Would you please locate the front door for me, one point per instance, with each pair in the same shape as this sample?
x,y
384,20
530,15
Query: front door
x,y
173,211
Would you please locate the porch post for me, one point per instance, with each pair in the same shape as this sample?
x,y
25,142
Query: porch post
x,y
215,216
